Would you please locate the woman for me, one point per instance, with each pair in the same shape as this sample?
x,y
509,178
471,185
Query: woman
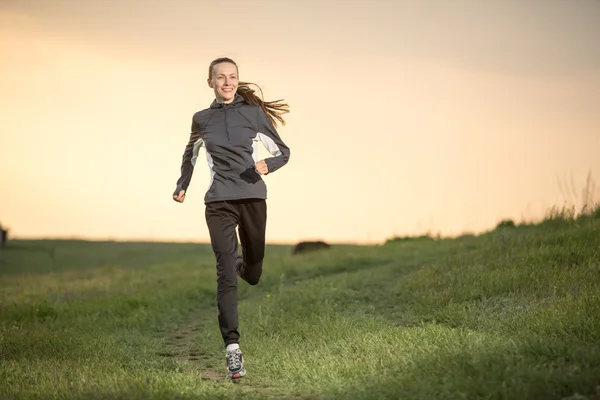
x,y
230,130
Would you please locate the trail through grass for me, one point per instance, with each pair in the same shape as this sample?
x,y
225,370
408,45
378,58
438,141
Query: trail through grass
x,y
510,314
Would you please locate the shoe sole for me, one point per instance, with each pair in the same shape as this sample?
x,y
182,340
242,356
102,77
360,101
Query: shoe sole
x,y
236,376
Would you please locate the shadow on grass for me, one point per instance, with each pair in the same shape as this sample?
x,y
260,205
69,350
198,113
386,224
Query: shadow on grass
x,y
531,370
150,394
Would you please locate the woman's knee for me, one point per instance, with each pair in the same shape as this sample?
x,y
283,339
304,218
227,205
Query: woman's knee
x,y
253,272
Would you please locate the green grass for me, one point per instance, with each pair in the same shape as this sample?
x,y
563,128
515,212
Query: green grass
x,y
510,314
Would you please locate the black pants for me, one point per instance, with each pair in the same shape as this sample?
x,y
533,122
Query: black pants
x,y
222,218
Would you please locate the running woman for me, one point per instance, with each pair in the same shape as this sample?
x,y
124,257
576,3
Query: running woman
x,y
230,130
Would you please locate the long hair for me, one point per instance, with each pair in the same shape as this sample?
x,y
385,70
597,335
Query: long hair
x,y
274,109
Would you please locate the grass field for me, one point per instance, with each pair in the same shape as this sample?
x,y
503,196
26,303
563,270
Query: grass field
x,y
510,314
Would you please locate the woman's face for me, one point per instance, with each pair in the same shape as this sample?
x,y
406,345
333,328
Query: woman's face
x,y
224,81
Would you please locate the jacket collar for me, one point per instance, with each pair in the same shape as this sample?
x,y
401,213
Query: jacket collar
x,y
236,100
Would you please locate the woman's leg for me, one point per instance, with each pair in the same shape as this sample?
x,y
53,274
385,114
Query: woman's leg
x,y
222,219
252,227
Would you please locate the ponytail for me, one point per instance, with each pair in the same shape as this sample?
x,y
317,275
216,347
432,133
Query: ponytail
x,y
274,109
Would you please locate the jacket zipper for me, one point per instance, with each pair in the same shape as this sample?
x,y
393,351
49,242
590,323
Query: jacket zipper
x,y
226,128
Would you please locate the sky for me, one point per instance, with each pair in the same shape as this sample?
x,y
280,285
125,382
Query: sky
x,y
406,116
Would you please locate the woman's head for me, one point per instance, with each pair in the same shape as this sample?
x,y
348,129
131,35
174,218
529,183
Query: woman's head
x,y
223,78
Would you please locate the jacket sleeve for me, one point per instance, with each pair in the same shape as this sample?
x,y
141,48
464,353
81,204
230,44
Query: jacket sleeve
x,y
190,154
269,137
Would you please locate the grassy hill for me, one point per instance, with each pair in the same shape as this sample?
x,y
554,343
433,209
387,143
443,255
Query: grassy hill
x,y
510,314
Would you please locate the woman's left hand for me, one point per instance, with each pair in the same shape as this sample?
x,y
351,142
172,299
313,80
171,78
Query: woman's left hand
x,y
261,167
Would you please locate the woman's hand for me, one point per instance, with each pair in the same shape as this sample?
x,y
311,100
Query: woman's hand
x,y
179,197
261,167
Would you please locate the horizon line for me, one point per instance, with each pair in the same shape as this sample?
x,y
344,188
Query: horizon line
x,y
141,239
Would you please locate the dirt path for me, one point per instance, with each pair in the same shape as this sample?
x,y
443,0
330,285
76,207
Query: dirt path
x,y
180,345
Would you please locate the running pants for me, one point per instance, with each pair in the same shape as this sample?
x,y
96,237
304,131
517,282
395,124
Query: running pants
x,y
222,218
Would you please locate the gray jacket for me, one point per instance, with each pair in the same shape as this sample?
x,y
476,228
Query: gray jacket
x,y
230,134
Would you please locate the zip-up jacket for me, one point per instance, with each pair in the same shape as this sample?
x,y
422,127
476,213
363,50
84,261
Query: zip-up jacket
x,y
230,134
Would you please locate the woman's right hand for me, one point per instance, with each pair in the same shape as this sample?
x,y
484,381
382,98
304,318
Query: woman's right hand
x,y
179,197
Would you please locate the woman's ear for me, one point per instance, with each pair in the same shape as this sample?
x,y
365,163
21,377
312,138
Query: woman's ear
x,y
210,84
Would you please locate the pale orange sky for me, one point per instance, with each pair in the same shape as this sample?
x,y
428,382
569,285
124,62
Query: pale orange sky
x,y
406,116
